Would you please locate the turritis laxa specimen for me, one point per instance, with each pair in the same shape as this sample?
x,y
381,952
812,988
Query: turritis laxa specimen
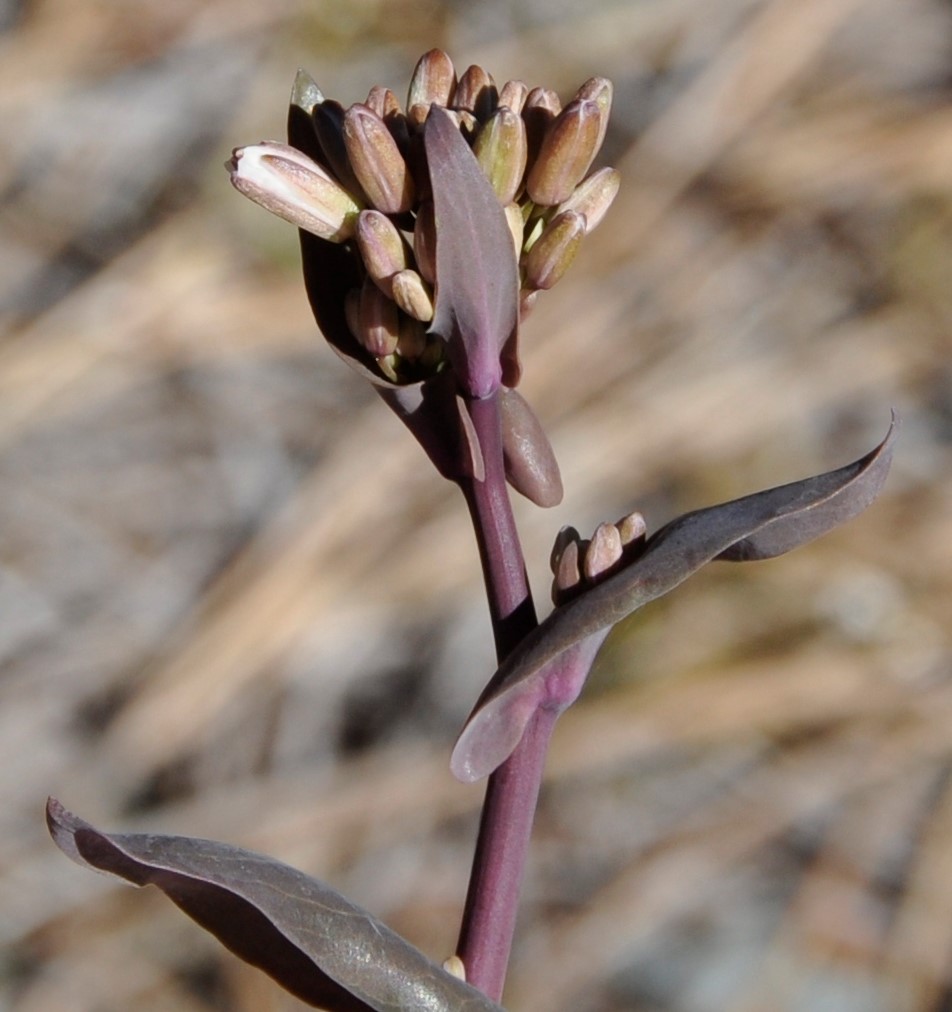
x,y
427,233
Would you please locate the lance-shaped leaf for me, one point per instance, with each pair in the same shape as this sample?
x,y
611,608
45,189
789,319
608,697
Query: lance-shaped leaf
x,y
548,667
477,282
316,944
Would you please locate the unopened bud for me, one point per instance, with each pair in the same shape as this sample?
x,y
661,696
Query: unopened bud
x,y
556,248
424,241
476,91
600,91
411,295
603,552
593,197
540,108
383,101
513,95
433,80
514,221
378,321
631,529
567,575
287,183
328,119
352,311
382,248
568,148
412,340
305,93
454,965
500,149
377,161
565,536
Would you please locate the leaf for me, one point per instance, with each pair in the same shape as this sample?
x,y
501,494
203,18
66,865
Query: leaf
x,y
316,944
477,282
757,526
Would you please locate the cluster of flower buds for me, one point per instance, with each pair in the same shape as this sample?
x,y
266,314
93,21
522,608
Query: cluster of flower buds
x,y
577,563
371,190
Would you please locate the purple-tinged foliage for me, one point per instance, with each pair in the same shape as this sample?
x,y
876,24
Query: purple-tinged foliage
x,y
316,944
548,668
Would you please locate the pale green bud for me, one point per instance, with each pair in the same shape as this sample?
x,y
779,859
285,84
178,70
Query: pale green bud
x,y
382,248
593,197
500,149
411,295
556,248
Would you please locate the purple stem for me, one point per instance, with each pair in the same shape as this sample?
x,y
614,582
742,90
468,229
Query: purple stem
x,y
489,916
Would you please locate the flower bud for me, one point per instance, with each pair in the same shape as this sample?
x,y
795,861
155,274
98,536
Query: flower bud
x,y
328,120
603,552
516,226
540,108
378,321
411,295
553,253
600,91
476,91
500,149
568,148
383,101
565,536
286,182
513,95
434,80
377,161
567,574
412,340
593,197
631,529
382,248
424,241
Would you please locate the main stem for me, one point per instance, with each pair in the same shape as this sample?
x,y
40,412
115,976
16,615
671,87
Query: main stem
x,y
489,916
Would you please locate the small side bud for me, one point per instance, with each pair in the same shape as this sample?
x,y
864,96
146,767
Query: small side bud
x,y
556,248
567,151
500,149
378,321
516,226
433,80
454,965
513,95
476,92
377,161
382,248
567,575
593,197
328,119
412,340
411,295
540,108
565,536
383,101
632,529
424,241
287,183
603,552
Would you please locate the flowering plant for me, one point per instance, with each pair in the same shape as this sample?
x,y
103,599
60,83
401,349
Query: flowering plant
x,y
427,234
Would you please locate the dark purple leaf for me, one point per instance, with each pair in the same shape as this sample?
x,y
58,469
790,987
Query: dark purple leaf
x,y
477,282
540,672
312,941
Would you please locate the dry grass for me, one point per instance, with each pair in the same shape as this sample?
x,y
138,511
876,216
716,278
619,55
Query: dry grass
x,y
236,602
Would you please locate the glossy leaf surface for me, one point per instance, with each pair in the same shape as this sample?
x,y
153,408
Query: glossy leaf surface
x,y
316,944
757,526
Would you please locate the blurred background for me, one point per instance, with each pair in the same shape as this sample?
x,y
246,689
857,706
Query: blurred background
x,y
237,602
